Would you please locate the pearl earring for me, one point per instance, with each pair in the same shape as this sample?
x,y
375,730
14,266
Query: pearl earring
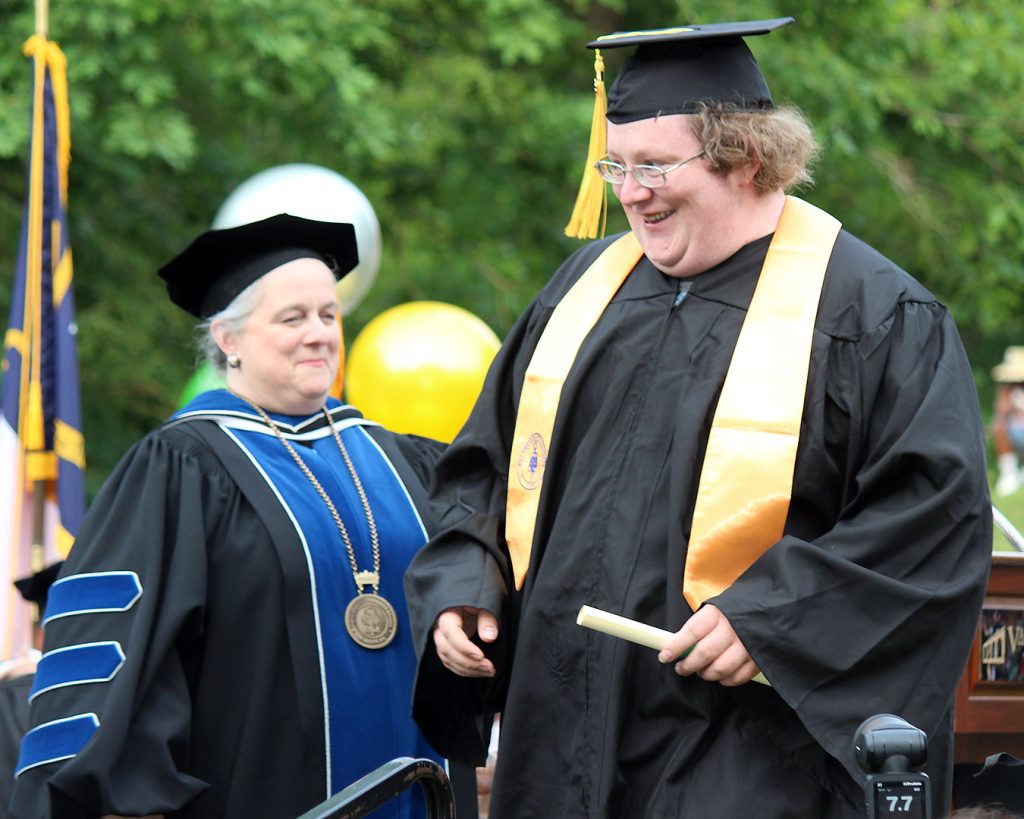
x,y
233,362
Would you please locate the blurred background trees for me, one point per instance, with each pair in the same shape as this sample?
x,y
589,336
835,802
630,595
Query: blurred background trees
x,y
465,123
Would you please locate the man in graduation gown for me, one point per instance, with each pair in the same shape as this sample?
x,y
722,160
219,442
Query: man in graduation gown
x,y
845,565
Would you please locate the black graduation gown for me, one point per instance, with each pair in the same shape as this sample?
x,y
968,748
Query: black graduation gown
x,y
218,710
868,604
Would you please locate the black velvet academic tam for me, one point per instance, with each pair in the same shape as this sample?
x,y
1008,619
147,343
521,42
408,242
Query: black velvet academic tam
x,y
219,264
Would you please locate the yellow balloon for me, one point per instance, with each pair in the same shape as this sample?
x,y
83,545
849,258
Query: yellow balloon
x,y
418,367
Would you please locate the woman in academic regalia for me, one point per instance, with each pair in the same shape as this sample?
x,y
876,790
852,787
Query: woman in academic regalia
x,y
228,637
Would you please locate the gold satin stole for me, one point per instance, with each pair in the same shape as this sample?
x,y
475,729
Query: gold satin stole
x,y
747,477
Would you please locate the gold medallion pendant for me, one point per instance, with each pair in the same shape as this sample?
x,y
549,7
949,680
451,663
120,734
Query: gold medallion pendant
x,y
371,621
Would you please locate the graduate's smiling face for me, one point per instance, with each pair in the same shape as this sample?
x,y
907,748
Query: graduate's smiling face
x,y
290,345
680,225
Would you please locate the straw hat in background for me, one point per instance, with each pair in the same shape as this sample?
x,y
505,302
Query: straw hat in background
x,y
1011,370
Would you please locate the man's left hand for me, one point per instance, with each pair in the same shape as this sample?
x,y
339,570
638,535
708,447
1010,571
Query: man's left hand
x,y
717,655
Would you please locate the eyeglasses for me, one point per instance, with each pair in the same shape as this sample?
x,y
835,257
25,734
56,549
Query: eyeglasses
x,y
650,176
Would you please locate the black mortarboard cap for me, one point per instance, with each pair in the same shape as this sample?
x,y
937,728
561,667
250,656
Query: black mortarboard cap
x,y
36,587
219,264
671,71
674,69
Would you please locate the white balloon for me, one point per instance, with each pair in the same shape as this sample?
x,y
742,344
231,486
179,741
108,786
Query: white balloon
x,y
311,192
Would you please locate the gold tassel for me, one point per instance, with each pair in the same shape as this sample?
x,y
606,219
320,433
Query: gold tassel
x,y
591,211
338,386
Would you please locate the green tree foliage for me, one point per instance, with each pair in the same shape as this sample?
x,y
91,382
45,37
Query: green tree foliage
x,y
465,123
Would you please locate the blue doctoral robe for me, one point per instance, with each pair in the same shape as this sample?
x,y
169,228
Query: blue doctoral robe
x,y
196,660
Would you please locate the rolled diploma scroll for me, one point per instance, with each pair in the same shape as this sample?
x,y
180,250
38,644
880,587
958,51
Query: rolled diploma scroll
x,y
631,630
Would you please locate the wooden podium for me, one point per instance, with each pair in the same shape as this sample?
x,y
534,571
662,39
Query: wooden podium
x,y
989,715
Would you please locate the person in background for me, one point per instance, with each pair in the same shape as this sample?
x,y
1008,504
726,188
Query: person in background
x,y
737,423
33,589
228,636
16,677
1008,420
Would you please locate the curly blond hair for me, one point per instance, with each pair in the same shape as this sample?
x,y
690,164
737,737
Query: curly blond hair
x,y
780,138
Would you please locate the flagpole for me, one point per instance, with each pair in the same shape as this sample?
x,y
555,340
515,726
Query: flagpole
x,y
37,551
41,445
42,17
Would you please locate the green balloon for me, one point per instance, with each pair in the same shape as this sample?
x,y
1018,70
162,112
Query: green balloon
x,y
203,379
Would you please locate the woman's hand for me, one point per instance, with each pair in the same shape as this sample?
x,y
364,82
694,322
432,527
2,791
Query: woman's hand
x,y
457,651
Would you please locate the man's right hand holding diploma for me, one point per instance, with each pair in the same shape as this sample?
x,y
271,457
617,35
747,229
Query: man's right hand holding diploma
x,y
717,655
452,638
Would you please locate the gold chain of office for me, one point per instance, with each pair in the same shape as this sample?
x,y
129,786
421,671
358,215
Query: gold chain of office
x,y
369,618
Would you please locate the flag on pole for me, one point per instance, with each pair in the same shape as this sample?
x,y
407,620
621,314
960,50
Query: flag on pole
x,y
42,459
